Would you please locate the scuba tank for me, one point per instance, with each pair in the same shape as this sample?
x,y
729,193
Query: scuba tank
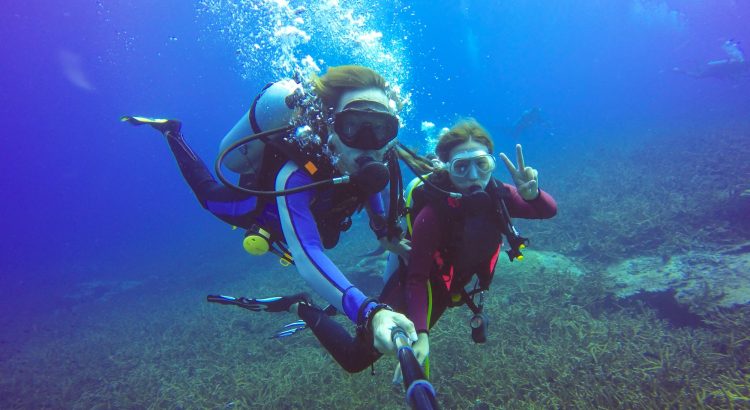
x,y
269,124
272,108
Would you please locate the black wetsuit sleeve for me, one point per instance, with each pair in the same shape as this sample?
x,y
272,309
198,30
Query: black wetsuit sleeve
x,y
354,354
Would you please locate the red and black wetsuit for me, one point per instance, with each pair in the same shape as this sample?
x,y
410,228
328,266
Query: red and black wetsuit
x,y
451,242
449,246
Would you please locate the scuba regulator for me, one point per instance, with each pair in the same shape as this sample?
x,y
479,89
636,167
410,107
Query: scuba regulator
x,y
479,322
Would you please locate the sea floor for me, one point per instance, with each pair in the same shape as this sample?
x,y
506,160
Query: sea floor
x,y
553,343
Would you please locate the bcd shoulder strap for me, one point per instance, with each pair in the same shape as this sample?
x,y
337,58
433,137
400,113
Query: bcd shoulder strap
x,y
276,152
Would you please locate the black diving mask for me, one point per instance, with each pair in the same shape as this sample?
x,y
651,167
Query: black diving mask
x,y
365,129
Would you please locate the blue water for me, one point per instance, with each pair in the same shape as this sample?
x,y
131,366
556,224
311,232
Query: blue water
x,y
85,197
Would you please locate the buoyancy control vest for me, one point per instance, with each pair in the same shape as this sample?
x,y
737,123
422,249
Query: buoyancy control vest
x,y
332,210
475,228
260,159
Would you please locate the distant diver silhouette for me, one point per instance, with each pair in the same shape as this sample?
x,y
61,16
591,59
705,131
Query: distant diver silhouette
x,y
731,68
529,119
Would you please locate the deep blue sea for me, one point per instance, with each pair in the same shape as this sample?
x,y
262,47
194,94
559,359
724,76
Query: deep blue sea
x,y
96,217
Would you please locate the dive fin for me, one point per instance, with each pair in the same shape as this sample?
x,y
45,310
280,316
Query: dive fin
x,y
136,120
162,124
290,329
272,304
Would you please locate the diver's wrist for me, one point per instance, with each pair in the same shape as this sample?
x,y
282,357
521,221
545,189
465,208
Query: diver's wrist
x,y
379,230
370,315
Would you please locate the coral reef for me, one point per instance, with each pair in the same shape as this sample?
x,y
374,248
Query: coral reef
x,y
630,199
703,281
101,290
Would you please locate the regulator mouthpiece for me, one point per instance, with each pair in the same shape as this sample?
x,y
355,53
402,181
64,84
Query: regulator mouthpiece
x,y
477,201
372,176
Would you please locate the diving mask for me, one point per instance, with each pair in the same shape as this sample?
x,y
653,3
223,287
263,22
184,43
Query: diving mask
x,y
365,128
462,163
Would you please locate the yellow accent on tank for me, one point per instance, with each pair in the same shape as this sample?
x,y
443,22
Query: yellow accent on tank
x,y
520,257
257,243
456,297
285,260
522,246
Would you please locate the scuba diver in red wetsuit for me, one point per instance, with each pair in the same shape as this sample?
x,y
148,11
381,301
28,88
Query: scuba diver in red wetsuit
x,y
457,217
455,239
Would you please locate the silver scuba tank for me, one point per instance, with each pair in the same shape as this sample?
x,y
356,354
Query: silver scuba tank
x,y
271,109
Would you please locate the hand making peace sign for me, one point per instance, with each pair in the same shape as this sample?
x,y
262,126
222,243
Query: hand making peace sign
x,y
525,178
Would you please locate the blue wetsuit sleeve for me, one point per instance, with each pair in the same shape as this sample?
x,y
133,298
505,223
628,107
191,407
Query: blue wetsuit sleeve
x,y
377,215
224,202
376,204
303,239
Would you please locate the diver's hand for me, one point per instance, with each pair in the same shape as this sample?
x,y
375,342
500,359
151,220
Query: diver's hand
x,y
421,350
525,178
400,247
382,324
422,347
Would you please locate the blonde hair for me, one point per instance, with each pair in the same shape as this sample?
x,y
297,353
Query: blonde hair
x,y
338,80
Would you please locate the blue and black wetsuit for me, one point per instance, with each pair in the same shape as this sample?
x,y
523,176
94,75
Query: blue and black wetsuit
x,y
308,221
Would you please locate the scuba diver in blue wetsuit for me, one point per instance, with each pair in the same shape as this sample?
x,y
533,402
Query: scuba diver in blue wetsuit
x,y
315,159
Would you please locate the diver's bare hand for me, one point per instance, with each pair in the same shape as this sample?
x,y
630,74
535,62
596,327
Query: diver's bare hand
x,y
421,350
525,178
382,326
400,247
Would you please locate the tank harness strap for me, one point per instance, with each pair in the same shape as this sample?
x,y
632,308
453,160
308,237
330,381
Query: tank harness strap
x,y
396,197
308,158
272,163
515,241
251,115
285,256
469,298
278,150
